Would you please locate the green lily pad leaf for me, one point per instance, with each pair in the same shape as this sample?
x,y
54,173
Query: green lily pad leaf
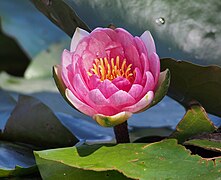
x,y
11,53
41,65
62,14
160,160
206,144
192,33
16,160
7,104
33,32
194,122
162,87
34,123
193,82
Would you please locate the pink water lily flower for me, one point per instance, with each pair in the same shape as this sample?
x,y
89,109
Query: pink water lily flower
x,y
109,74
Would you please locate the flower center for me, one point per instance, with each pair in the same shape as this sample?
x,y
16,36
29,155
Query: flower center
x,y
106,70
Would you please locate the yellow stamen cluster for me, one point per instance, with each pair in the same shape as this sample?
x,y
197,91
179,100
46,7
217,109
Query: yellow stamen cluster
x,y
111,70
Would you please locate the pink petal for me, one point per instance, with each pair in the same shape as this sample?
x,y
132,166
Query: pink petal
x,y
143,103
96,98
97,48
66,71
145,63
138,77
147,38
88,59
80,87
120,99
94,82
124,37
78,104
132,56
79,34
114,49
149,83
122,83
135,90
140,45
155,66
111,33
101,36
113,120
107,88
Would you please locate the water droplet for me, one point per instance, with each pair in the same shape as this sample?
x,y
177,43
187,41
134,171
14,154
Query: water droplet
x,y
64,174
160,21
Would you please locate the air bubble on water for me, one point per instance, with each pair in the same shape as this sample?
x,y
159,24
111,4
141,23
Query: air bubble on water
x,y
160,21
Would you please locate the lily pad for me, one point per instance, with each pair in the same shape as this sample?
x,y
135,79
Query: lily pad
x,y
60,13
34,123
16,160
192,33
193,82
194,122
7,104
161,160
33,32
206,144
11,53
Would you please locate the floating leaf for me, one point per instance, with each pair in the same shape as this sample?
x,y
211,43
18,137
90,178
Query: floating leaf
x,y
33,32
192,82
192,33
7,104
161,160
16,160
11,53
34,123
60,13
206,144
194,122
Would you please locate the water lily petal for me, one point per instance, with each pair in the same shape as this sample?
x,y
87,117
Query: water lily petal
x,y
94,82
80,87
101,36
120,99
96,98
149,83
147,38
78,104
97,48
122,83
107,88
124,37
138,77
144,63
109,121
78,35
140,46
66,64
132,56
135,90
155,66
142,104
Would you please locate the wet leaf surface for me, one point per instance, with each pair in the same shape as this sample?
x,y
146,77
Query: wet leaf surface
x,y
158,160
194,122
16,160
32,122
193,82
